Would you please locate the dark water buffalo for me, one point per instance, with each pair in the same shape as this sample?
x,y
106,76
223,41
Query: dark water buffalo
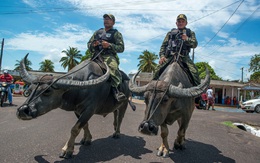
x,y
85,90
168,99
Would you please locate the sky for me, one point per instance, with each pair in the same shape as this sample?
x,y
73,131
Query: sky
x,y
227,30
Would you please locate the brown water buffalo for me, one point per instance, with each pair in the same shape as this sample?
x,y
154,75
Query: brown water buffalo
x,y
168,99
85,90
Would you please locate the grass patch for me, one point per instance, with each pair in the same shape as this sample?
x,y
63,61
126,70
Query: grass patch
x,y
229,124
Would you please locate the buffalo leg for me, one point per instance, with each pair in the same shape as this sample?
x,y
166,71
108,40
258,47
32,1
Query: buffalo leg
x,y
183,125
118,117
86,140
164,148
68,149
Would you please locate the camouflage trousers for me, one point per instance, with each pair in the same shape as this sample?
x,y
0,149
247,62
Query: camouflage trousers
x,y
191,66
113,64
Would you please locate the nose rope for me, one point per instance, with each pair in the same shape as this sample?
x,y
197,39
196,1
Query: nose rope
x,y
159,101
151,103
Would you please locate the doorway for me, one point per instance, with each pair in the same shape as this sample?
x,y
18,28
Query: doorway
x,y
218,95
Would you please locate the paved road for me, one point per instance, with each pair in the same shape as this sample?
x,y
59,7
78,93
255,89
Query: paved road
x,y
41,139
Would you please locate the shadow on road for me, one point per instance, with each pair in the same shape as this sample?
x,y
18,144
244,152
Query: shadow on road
x,y
107,149
199,152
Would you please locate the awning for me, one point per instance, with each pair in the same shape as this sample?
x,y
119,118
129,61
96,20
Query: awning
x,y
251,88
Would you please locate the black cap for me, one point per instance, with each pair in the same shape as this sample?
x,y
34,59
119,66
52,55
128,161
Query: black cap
x,y
110,16
182,16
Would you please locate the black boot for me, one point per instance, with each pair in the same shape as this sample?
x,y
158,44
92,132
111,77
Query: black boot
x,y
119,96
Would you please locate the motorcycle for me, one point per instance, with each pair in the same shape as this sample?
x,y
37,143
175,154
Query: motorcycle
x,y
202,104
27,91
3,92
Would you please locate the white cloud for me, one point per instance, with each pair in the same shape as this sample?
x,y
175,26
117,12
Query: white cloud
x,y
124,60
144,25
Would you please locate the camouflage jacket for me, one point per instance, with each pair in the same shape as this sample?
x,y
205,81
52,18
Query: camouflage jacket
x,y
190,43
112,36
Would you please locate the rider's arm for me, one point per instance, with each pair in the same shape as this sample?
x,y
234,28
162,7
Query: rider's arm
x,y
118,46
164,45
191,41
12,79
91,42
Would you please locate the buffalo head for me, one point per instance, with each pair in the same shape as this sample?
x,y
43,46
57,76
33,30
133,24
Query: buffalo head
x,y
48,91
165,100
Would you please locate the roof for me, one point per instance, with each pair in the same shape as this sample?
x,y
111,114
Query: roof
x,y
225,83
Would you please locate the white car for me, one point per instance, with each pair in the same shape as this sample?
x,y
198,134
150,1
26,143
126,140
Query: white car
x,y
252,105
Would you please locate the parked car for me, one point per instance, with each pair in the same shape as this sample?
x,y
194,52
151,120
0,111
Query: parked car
x,y
252,105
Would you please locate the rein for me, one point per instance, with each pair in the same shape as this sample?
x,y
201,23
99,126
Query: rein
x,y
53,82
154,93
154,90
179,53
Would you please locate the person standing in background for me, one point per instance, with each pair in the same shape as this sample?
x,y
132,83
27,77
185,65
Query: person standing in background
x,y
210,101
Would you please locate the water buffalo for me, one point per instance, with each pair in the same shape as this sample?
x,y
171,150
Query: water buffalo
x,y
168,99
85,89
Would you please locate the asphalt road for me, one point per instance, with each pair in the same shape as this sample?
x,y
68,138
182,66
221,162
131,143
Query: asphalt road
x,y
41,139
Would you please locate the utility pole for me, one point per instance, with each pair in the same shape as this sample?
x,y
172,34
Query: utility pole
x,y
1,55
242,74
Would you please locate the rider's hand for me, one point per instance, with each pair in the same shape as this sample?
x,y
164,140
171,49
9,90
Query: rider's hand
x,y
184,37
162,60
105,44
96,43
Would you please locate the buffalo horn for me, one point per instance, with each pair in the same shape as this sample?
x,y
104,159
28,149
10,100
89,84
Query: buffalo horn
x,y
134,88
83,84
23,72
175,91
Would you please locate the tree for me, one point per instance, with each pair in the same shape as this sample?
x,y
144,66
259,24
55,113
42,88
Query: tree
x,y
70,61
147,61
87,55
27,63
47,66
255,68
255,63
202,71
255,77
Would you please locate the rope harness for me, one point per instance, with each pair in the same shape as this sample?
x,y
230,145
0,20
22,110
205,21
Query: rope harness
x,y
153,96
30,100
165,91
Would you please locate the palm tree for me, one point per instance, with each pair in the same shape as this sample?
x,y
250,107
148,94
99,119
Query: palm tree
x,y
147,61
70,61
27,63
47,66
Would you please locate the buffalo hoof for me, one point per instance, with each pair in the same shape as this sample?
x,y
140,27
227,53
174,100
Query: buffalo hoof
x,y
116,136
179,146
66,155
163,154
86,143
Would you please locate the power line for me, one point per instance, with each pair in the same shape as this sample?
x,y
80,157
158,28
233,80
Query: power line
x,y
192,21
233,33
58,9
223,25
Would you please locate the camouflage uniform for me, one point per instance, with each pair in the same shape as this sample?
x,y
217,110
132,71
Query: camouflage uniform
x,y
191,42
109,55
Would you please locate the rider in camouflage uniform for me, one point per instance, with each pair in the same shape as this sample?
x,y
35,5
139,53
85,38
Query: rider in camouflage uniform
x,y
171,45
110,41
